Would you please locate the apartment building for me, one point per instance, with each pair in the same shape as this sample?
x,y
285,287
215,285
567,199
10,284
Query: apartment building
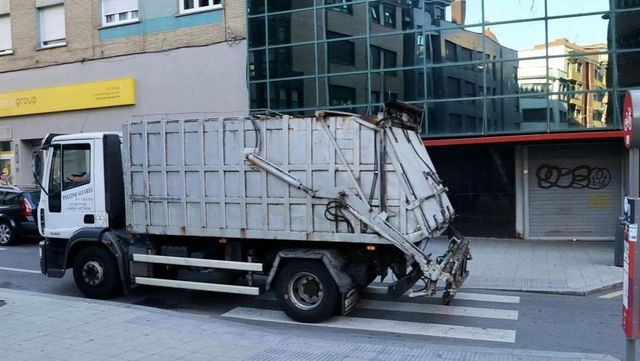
x,y
83,66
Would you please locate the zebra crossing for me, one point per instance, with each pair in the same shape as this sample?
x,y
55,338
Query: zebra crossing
x,y
476,317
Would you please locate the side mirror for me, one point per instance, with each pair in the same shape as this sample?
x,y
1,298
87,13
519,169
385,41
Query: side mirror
x,y
37,166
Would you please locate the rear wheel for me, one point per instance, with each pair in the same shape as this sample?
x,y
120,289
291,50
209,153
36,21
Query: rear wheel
x,y
95,272
306,291
7,235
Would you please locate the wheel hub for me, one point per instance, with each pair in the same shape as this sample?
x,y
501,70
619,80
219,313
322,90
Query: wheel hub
x,y
305,291
93,273
5,234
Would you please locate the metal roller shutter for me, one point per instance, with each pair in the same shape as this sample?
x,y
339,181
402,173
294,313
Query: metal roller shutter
x,y
574,191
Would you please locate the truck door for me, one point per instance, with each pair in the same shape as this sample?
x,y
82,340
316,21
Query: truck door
x,y
71,189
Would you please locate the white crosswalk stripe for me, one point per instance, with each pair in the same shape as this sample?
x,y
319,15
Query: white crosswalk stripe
x,y
2,249
425,308
439,309
381,325
18,270
459,296
395,308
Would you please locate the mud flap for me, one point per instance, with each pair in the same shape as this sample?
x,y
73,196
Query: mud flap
x,y
349,300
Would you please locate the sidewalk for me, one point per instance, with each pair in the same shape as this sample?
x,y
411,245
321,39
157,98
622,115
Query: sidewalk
x,y
563,267
45,327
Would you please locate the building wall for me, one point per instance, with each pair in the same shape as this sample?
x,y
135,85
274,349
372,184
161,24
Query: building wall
x,y
160,28
211,84
191,63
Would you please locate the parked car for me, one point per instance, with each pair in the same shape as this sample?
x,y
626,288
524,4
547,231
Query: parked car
x,y
18,206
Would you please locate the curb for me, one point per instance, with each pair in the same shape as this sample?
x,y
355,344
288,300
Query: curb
x,y
565,292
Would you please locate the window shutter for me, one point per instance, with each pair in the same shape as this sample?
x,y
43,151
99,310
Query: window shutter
x,y
118,6
5,33
52,23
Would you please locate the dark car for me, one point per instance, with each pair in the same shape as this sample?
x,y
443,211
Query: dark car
x,y
18,207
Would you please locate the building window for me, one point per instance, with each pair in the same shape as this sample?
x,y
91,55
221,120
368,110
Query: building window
x,y
188,6
5,35
389,15
342,95
450,51
341,52
115,12
534,115
383,59
453,87
345,8
52,26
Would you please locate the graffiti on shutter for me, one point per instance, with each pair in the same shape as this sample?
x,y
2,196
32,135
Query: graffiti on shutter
x,y
582,176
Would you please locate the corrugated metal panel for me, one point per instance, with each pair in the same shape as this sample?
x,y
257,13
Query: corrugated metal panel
x,y
574,191
190,177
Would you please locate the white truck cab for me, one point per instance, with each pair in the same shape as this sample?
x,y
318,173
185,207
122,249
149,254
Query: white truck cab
x,y
74,194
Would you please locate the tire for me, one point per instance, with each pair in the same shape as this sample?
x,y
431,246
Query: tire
x,y
7,234
306,291
96,274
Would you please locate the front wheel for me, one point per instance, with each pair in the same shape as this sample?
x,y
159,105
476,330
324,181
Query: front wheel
x,y
7,235
95,272
306,291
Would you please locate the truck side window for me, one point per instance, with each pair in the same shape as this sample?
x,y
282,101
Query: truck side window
x,y
55,181
76,165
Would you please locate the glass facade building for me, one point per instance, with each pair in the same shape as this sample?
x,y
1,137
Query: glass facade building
x,y
478,67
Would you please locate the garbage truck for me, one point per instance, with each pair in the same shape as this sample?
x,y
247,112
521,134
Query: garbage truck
x,y
314,208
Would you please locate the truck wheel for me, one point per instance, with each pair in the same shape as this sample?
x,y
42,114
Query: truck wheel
x,y
95,272
7,235
306,291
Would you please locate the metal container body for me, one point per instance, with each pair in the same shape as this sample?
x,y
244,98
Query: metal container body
x,y
191,177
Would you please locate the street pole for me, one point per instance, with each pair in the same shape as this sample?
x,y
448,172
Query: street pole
x,y
631,305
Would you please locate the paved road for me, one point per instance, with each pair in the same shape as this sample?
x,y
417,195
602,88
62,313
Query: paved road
x,y
476,318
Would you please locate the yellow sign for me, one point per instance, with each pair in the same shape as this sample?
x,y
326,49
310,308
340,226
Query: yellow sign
x,y
99,94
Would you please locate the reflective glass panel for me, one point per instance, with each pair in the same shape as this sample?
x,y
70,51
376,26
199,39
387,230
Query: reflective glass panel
x,y
257,65
507,10
454,118
455,45
291,61
628,30
337,19
256,32
291,28
258,94
346,91
580,111
404,85
629,69
284,5
582,34
340,56
516,40
451,82
469,14
567,7
292,94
